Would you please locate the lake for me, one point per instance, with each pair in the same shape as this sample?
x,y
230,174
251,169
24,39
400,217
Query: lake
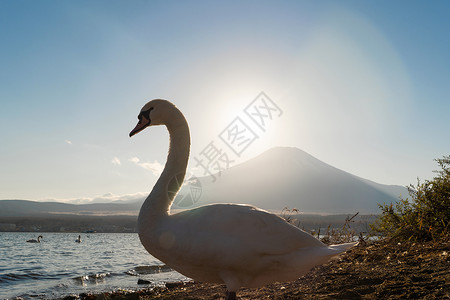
x,y
58,266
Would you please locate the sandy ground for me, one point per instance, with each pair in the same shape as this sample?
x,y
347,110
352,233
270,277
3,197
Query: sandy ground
x,y
382,270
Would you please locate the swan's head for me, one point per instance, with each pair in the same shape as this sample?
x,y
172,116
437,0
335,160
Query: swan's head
x,y
155,112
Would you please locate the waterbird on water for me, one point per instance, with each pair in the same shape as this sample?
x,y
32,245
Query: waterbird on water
x,y
78,240
36,241
238,245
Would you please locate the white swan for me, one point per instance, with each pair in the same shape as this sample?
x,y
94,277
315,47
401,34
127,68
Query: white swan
x,y
238,245
36,241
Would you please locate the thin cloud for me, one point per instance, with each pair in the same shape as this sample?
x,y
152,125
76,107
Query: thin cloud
x,y
155,167
134,160
115,161
105,198
68,142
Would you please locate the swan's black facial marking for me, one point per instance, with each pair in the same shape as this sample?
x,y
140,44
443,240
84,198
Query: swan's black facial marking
x,y
146,115
144,121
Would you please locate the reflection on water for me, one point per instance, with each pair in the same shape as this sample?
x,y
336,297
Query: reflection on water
x,y
91,279
144,270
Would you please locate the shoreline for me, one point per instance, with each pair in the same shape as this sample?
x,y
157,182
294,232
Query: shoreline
x,y
380,270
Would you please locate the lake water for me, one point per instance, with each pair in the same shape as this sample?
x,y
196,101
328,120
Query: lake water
x,y
58,266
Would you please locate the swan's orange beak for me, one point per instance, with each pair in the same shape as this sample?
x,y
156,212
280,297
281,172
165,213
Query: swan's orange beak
x,y
141,125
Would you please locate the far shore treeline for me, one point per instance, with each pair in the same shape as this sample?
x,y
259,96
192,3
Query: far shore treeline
x,y
68,223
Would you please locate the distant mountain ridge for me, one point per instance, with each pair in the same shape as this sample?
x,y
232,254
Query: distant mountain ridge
x,y
24,208
279,177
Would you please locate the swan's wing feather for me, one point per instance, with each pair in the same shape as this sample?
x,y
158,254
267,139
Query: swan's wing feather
x,y
231,234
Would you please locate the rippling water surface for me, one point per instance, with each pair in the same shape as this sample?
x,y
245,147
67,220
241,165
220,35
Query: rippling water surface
x,y
58,266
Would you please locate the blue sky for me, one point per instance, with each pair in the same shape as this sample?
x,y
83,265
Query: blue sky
x,y
363,86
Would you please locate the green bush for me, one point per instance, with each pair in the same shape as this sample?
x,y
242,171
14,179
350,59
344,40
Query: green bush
x,y
426,216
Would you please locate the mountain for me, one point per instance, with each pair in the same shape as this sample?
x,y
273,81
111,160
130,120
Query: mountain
x,y
289,177
278,178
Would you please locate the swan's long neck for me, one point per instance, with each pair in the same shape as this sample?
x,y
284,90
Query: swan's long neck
x,y
158,202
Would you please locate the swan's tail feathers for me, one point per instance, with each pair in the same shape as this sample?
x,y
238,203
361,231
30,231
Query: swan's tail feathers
x,y
342,247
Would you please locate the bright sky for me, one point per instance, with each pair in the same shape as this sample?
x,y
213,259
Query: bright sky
x,y
362,85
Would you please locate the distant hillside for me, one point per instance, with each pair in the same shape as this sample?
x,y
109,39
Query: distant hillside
x,y
23,208
289,177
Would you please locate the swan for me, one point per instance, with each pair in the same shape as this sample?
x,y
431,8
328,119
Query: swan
x,y
36,241
238,245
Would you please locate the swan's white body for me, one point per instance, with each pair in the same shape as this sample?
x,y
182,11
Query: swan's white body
x,y
238,245
35,241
